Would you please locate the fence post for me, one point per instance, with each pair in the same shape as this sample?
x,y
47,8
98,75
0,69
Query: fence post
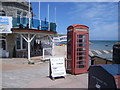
x,y
43,53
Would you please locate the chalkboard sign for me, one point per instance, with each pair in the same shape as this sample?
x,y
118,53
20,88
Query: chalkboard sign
x,y
57,67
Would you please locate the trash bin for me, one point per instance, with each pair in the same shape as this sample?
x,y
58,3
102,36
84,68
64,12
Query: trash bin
x,y
104,76
116,54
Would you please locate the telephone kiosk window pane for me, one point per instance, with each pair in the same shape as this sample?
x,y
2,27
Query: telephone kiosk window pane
x,y
81,62
69,40
81,40
69,65
81,36
70,29
80,66
79,29
81,58
69,35
69,44
81,45
69,56
69,52
81,53
81,49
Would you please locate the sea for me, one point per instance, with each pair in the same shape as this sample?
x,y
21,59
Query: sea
x,y
101,45
98,44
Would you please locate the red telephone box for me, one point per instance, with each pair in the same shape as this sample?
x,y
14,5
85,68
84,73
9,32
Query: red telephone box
x,y
77,48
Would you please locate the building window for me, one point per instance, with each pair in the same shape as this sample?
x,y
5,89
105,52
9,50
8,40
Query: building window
x,y
18,16
2,13
3,44
24,44
24,19
20,43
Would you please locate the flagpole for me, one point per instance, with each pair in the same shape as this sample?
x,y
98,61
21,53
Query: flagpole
x,y
55,15
29,13
48,18
39,11
39,15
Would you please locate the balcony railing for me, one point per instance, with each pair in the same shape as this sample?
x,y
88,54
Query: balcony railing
x,y
34,24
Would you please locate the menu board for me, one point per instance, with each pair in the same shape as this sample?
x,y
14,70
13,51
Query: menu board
x,y
57,66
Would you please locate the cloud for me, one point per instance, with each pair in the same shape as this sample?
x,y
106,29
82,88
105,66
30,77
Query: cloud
x,y
95,11
101,17
105,32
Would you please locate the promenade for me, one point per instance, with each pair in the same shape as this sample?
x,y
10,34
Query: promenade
x,y
16,73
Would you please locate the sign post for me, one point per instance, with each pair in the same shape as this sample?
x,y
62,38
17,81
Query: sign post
x,y
57,67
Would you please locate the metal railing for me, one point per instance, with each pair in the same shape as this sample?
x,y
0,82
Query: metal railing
x,y
34,24
47,53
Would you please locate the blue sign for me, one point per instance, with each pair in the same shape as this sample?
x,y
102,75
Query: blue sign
x,y
4,20
5,24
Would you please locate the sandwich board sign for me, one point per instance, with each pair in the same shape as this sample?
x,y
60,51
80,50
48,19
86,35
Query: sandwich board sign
x,y
57,67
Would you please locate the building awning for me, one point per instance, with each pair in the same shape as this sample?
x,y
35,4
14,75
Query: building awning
x,y
32,31
29,34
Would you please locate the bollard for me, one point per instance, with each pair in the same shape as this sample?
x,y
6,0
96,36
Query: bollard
x,y
116,53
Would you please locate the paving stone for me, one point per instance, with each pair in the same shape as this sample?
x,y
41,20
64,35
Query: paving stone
x,y
37,76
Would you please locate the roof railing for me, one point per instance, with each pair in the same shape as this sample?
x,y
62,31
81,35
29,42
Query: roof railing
x,y
34,24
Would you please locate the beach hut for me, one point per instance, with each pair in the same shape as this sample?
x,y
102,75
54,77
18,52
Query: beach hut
x,y
98,57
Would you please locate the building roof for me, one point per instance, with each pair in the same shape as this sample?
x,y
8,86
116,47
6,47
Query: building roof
x,y
99,53
106,56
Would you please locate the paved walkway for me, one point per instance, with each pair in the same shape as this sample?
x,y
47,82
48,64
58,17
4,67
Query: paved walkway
x,y
71,81
16,73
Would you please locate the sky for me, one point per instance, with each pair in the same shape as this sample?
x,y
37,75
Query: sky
x,y
100,17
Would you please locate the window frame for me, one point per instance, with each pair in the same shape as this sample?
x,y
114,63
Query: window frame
x,y
21,44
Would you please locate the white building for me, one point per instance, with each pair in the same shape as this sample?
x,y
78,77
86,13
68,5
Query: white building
x,y
17,32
